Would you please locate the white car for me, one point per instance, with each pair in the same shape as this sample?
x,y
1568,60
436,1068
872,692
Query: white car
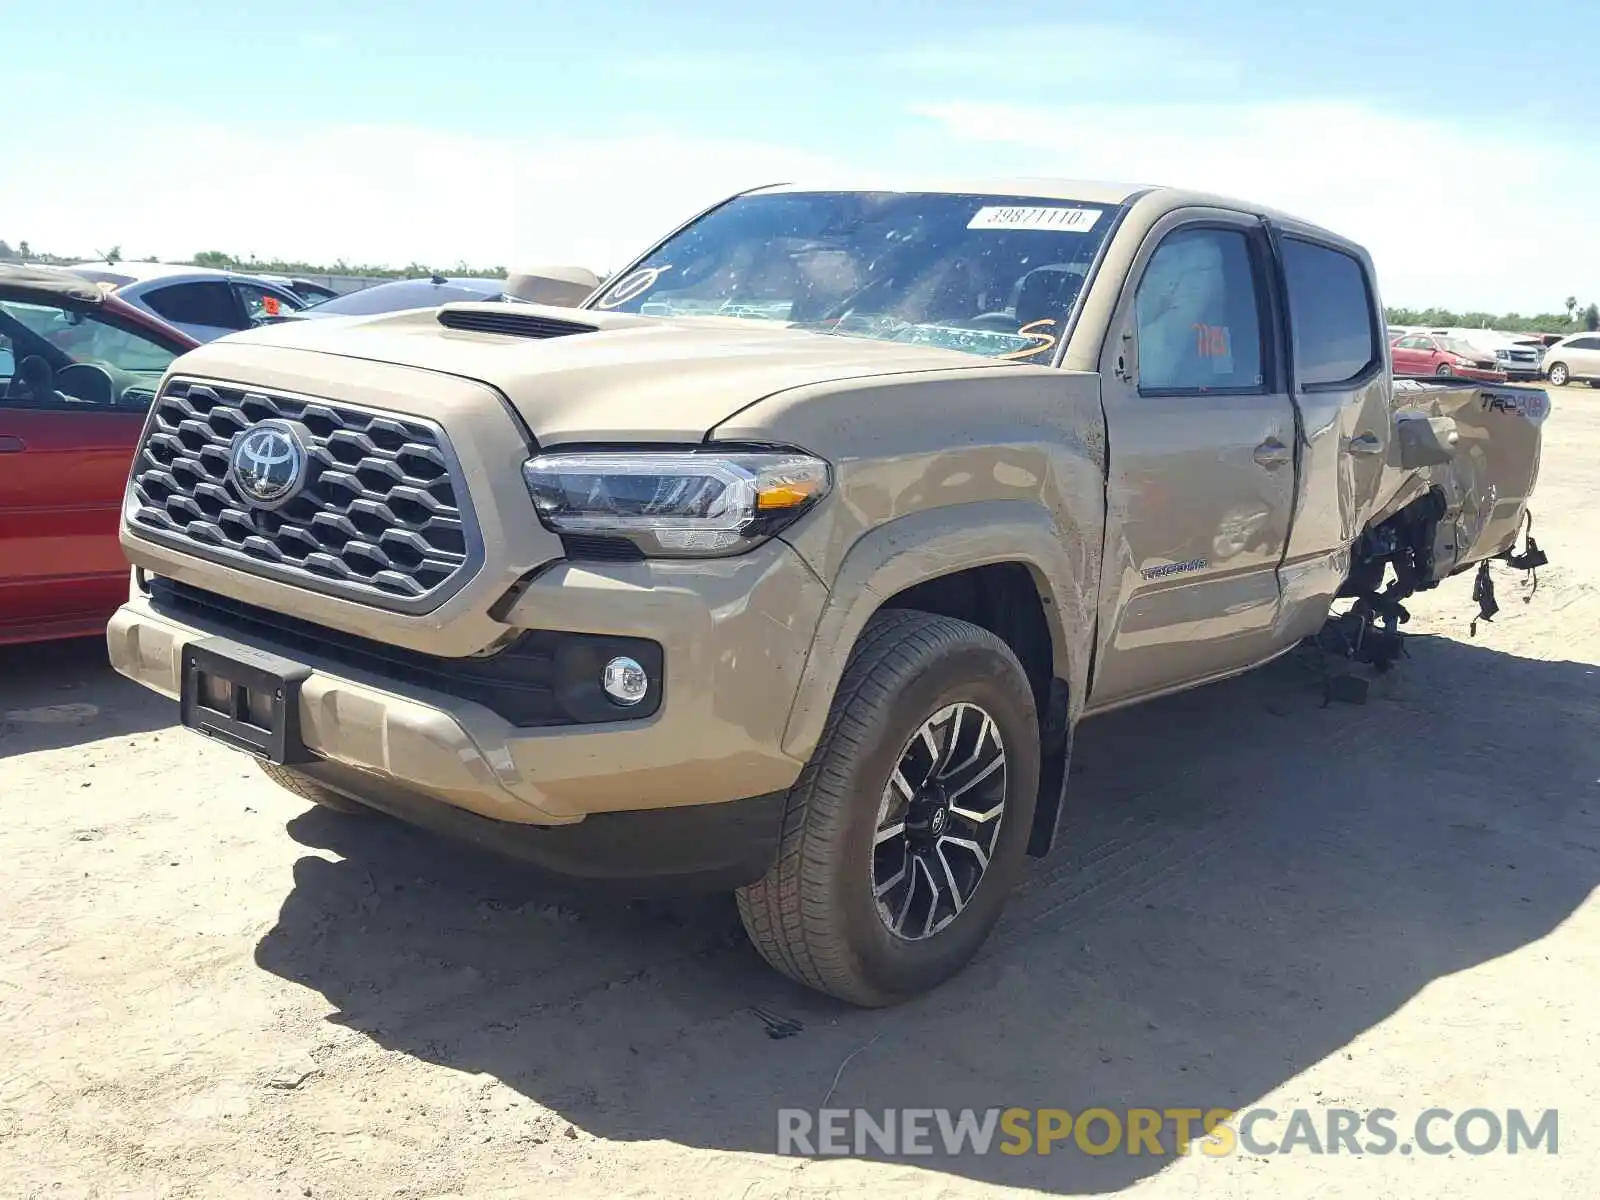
x,y
204,303
1575,358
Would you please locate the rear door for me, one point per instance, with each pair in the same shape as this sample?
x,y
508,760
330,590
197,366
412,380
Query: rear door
x,y
1200,481
1411,355
1342,389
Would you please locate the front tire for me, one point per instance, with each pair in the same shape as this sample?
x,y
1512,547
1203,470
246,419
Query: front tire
x,y
1445,370
905,833
1559,374
309,789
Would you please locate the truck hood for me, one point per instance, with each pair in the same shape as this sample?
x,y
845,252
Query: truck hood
x,y
616,377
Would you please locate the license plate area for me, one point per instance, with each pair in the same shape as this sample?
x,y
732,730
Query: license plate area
x,y
245,698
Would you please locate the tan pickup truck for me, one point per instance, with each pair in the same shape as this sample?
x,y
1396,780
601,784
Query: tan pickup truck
x,y
787,562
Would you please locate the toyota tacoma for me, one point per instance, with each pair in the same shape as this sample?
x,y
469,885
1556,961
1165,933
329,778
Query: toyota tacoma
x,y
788,561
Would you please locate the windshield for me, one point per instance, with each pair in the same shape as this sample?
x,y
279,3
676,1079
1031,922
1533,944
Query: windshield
x,y
991,275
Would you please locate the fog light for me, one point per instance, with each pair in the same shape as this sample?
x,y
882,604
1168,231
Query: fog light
x,y
625,681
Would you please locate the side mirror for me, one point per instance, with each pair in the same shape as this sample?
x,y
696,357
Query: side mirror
x,y
562,287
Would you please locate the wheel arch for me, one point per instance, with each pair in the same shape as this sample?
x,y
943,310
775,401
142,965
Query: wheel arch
x,y
1005,566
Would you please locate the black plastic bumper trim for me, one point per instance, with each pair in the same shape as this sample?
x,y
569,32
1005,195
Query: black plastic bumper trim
x,y
646,852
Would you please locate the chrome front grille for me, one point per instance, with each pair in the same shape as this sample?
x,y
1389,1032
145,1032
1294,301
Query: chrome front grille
x,y
382,516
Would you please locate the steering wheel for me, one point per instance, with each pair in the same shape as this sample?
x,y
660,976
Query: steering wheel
x,y
90,383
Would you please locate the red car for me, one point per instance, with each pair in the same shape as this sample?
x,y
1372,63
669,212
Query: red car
x,y
1434,354
78,371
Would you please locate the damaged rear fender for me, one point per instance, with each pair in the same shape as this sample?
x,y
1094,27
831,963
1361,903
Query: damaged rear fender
x,y
1475,448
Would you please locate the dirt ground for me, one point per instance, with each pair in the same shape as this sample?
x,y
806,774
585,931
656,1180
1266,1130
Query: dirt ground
x,y
208,990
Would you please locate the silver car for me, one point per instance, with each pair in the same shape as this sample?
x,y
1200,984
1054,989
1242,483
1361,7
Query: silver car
x,y
1574,357
204,303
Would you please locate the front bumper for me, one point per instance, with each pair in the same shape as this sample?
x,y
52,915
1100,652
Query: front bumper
x,y
648,852
734,634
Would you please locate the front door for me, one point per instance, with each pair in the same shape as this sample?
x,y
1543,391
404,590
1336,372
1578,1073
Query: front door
x,y
75,388
1583,357
62,474
1201,477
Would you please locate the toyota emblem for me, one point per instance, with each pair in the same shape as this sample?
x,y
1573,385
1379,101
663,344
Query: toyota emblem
x,y
268,463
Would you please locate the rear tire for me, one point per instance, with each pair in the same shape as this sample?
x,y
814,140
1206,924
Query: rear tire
x,y
309,789
1559,374
825,913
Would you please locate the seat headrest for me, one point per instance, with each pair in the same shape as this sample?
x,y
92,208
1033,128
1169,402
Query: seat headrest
x,y
1047,292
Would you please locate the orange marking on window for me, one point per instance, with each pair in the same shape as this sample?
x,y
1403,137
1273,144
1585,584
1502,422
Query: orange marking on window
x,y
1211,341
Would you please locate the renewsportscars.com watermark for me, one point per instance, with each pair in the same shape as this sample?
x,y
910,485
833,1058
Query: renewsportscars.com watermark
x,y
1215,1132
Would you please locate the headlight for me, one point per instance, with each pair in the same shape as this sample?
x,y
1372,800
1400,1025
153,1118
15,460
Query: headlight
x,y
678,504
1502,355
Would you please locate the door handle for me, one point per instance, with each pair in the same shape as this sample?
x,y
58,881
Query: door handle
x,y
1272,453
12,445
1366,443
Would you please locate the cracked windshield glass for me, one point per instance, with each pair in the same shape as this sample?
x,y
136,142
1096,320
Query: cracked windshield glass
x,y
996,276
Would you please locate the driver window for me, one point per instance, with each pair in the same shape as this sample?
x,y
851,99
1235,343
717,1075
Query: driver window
x,y
52,356
125,351
1199,328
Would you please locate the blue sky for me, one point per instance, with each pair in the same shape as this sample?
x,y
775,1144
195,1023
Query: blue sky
x,y
1456,141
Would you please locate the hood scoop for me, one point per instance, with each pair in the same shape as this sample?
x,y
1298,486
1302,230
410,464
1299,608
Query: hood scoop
x,y
505,319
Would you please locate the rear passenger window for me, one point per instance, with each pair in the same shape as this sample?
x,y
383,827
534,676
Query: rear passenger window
x,y
1198,325
1330,314
196,304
